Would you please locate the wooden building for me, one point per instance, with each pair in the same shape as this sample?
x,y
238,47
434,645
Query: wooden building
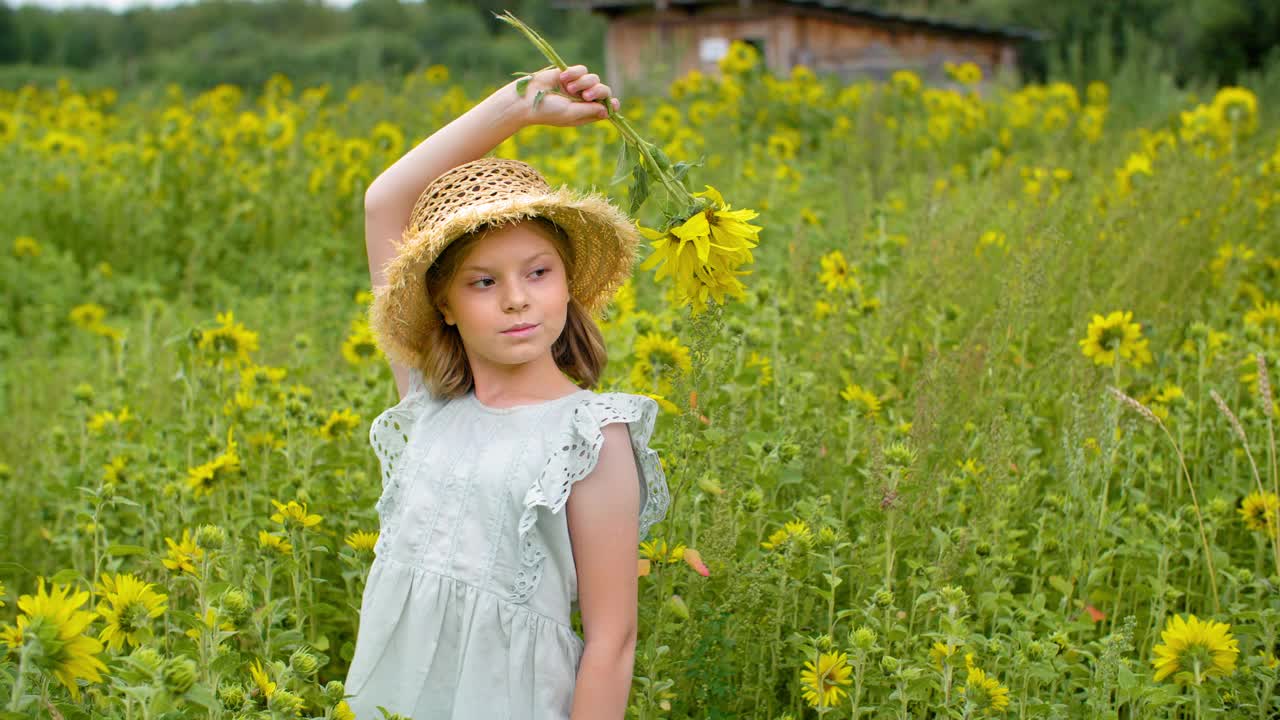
x,y
660,40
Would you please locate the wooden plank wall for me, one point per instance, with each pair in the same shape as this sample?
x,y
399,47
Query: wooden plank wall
x,y
647,50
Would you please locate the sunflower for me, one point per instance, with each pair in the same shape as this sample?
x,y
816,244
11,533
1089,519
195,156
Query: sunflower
x,y
56,624
182,555
277,543
362,540
985,694
1259,511
1265,316
858,395
1115,334
939,653
388,138
1193,649
360,347
836,273
25,246
87,316
128,605
655,354
203,479
797,530
823,684
262,681
703,252
230,342
294,513
339,424
657,551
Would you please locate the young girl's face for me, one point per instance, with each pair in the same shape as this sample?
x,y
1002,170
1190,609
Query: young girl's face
x,y
512,276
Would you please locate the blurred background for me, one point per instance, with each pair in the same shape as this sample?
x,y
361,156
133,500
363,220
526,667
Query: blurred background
x,y
124,43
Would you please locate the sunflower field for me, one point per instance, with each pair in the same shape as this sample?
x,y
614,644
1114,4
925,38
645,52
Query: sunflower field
x,y
984,426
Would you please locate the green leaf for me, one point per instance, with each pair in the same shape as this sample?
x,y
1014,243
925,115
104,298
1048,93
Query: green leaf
x,y
521,84
537,99
625,161
122,550
639,188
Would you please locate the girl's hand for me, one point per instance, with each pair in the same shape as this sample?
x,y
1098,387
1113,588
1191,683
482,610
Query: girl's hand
x,y
587,104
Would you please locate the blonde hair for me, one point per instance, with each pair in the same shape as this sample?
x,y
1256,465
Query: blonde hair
x,y
579,352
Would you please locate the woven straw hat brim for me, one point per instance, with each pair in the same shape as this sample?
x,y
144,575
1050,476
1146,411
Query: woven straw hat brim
x,y
605,242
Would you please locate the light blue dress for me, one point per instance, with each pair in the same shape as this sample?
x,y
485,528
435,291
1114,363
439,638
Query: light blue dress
x,y
466,609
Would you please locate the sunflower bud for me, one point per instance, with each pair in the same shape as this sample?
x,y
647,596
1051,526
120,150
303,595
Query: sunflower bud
x,y
232,695
675,604
210,537
883,598
889,663
284,702
179,675
752,499
147,660
303,663
710,485
83,393
234,604
864,638
334,690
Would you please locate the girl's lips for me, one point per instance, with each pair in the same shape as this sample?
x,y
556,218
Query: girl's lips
x,y
523,331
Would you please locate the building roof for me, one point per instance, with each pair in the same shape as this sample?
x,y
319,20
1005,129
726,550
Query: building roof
x,y
871,15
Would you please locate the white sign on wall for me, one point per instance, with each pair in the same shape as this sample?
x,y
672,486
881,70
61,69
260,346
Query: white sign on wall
x,y
711,49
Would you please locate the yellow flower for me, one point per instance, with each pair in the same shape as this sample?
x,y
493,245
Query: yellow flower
x,y
1264,315
128,605
797,529
656,551
703,253
1193,649
967,73
55,624
204,478
655,356
339,424
821,309
905,82
1115,334
277,543
342,711
182,555
362,540
26,246
939,653
835,272
856,394
823,684
230,343
436,74
3,592
87,316
1259,511
388,138
294,514
262,680
766,367
741,58
985,694
1236,110
99,422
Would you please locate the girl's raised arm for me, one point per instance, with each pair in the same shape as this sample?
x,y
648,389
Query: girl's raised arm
x,y
389,199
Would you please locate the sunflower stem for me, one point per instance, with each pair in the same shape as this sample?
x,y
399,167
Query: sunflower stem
x,y
668,181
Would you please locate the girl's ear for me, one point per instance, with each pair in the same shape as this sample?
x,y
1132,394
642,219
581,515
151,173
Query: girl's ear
x,y
444,310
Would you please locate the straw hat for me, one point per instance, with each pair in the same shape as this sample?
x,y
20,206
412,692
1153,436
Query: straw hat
x,y
495,190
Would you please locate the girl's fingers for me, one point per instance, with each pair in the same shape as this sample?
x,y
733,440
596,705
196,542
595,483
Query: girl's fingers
x,y
572,73
597,92
582,83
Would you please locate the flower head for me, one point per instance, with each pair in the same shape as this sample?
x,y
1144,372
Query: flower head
x,y
1259,511
1114,335
294,513
823,683
1193,649
128,606
53,623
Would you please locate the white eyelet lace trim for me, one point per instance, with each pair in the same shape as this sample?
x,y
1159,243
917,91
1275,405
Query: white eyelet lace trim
x,y
574,458
389,435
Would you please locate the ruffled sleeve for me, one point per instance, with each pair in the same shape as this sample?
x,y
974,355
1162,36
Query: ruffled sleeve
x,y
574,456
389,436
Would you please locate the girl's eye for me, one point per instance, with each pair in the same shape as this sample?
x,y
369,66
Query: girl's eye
x,y
544,271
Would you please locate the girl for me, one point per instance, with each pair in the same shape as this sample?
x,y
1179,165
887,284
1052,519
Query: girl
x,y
485,308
